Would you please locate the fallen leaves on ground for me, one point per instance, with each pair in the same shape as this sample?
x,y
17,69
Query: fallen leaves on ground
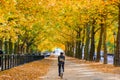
x,y
29,71
108,68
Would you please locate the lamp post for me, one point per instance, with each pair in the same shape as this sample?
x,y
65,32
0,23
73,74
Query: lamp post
x,y
114,35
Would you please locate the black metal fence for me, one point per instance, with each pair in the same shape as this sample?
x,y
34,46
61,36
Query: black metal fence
x,y
8,61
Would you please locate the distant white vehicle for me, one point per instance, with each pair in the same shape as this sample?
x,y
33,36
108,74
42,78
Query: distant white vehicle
x,y
46,53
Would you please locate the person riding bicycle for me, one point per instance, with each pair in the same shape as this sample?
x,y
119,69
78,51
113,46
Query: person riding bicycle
x,y
61,62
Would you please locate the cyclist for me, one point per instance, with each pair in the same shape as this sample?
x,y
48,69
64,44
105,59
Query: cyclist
x,y
61,62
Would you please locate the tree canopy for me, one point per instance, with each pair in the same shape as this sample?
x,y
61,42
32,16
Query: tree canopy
x,y
43,24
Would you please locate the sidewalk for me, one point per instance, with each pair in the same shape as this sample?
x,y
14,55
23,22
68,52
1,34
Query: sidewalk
x,y
74,71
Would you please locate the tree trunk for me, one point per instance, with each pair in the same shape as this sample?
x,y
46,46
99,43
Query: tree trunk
x,y
99,44
18,46
92,48
78,44
71,50
27,48
1,43
66,48
104,45
6,46
68,52
76,49
80,50
87,42
82,45
10,47
15,48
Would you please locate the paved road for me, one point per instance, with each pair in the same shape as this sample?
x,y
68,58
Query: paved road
x,y
75,71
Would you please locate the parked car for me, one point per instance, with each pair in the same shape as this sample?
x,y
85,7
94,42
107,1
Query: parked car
x,y
46,53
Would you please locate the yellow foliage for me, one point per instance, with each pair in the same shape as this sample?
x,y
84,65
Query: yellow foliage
x,y
59,19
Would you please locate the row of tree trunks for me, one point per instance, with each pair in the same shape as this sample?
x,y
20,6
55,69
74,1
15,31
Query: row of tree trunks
x,y
78,53
117,50
89,52
69,49
9,47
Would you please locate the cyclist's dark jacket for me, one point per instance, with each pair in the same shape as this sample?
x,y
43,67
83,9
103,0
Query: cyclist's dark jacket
x,y
60,58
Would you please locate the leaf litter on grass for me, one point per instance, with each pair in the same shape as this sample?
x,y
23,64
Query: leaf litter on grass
x,y
108,68
28,71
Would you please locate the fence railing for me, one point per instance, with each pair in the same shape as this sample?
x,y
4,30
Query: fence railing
x,y
8,61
